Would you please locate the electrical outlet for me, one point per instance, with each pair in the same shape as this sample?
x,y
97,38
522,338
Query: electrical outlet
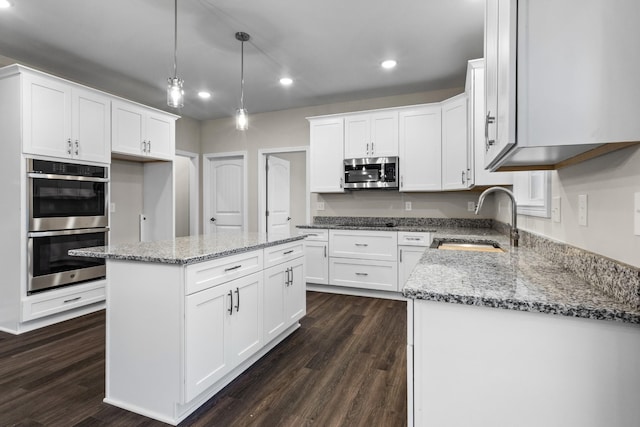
x,y
582,210
555,209
112,208
320,206
471,206
636,214
407,206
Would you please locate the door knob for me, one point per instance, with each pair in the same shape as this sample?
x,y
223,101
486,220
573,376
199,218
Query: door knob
x,y
288,218
212,219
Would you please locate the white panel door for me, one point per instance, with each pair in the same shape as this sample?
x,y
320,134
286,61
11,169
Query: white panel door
x,y
226,210
278,195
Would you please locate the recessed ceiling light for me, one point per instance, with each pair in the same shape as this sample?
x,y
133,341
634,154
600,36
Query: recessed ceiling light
x,y
286,81
5,4
204,94
388,64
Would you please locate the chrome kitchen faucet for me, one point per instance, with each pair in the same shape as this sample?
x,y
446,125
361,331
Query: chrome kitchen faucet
x,y
513,235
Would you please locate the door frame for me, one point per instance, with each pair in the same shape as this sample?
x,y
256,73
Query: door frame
x,y
206,191
194,190
262,182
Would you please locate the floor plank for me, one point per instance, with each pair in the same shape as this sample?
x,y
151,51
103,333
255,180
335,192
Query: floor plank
x,y
345,366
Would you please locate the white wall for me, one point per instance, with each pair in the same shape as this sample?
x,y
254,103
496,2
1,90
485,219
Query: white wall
x,y
609,182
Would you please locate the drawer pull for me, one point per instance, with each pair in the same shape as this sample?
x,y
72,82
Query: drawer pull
x,y
238,300
362,274
362,244
288,252
72,299
414,238
232,268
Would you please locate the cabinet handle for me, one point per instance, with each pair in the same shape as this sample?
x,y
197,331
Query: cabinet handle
x,y
489,120
238,300
235,267
325,251
361,244
143,146
77,147
462,178
367,148
71,300
415,239
400,255
362,274
230,310
468,174
69,146
287,252
341,182
401,181
149,146
372,151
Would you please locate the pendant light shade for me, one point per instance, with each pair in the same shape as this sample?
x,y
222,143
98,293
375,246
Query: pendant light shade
x,y
175,86
242,117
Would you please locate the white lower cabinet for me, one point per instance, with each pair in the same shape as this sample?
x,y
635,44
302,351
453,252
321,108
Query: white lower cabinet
x,y
284,302
316,256
408,257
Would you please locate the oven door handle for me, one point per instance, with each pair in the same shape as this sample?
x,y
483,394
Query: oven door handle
x,y
36,175
67,232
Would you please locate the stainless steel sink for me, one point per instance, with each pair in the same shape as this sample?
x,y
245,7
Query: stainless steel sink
x,y
466,245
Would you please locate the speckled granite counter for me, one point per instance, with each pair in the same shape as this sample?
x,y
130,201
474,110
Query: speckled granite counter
x,y
518,279
187,250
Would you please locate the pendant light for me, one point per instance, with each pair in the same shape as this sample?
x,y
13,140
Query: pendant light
x,y
175,90
242,118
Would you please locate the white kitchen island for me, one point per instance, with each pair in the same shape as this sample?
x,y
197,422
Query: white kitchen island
x,y
187,316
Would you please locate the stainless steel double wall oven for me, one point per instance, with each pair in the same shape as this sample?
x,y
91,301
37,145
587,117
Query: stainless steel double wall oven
x,y
68,209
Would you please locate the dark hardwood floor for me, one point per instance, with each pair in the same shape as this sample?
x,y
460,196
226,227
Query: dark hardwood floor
x,y
345,366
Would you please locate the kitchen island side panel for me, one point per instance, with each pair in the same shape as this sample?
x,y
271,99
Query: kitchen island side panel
x,y
145,317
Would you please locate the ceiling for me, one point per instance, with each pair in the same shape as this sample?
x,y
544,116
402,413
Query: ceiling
x,y
332,49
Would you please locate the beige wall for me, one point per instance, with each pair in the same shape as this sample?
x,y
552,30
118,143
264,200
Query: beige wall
x,y
127,184
289,128
609,182
188,135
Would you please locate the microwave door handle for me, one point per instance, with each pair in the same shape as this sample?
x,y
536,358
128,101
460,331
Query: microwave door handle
x,y
36,175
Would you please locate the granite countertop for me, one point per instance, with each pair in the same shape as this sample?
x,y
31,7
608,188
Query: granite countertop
x,y
517,279
187,250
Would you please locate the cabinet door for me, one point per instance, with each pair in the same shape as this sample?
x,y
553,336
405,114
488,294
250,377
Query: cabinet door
x,y
317,262
127,129
420,149
365,274
91,126
455,144
375,245
408,257
500,51
384,134
326,155
357,136
275,280
206,338
295,296
160,136
46,117
246,317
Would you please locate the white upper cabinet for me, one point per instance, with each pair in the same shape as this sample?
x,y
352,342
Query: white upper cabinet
x,y
420,163
371,135
456,158
561,80
326,155
64,120
142,132
474,89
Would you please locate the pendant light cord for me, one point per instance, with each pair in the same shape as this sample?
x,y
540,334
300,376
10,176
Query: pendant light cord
x,y
175,40
242,74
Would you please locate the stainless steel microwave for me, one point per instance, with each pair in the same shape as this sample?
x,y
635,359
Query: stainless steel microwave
x,y
371,173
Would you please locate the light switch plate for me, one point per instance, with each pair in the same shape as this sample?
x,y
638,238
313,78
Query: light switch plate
x,y
582,210
407,206
555,209
636,214
320,206
471,206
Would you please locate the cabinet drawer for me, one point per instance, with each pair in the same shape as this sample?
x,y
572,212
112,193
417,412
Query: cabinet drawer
x,y
274,255
376,245
215,272
414,238
315,234
45,305
356,273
